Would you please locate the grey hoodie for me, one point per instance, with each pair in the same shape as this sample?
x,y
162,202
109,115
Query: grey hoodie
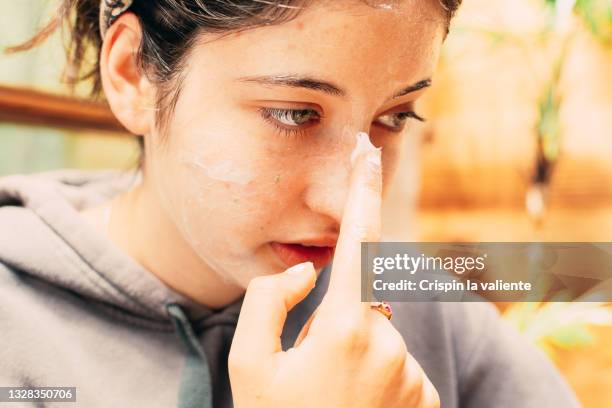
x,y
77,312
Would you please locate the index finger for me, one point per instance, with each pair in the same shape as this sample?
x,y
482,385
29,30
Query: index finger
x,y
361,221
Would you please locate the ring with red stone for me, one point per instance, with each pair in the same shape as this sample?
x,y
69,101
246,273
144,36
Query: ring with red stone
x,y
382,307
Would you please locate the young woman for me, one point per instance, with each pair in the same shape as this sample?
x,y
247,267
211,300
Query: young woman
x,y
270,129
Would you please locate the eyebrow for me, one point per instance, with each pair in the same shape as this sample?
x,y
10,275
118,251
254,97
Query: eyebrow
x,y
413,88
296,81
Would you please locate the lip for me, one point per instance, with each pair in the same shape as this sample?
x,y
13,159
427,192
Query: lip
x,y
295,253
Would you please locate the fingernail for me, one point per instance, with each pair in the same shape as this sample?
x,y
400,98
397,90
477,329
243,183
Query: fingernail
x,y
299,268
365,146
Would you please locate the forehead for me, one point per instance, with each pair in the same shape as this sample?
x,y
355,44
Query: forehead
x,y
349,42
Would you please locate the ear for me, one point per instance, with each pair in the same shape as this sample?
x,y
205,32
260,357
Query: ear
x,y
129,93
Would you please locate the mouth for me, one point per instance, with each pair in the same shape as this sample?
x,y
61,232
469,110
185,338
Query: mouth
x,y
292,254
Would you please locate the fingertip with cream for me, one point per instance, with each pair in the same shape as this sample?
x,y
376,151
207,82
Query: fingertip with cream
x,y
364,146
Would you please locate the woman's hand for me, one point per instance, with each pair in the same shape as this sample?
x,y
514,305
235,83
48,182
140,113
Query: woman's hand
x,y
348,355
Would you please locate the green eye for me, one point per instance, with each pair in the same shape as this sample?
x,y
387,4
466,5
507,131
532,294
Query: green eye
x,y
292,117
397,121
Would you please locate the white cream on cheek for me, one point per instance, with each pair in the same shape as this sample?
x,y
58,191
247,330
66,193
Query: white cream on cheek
x,y
223,170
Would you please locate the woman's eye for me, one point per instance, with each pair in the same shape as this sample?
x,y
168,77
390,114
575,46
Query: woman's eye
x,y
292,117
397,121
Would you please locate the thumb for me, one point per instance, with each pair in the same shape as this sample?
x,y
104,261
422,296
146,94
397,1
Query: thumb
x,y
266,303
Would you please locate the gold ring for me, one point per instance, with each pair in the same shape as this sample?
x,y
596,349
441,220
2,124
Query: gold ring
x,y
382,307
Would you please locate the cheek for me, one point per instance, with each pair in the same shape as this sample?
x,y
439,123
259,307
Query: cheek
x,y
225,198
239,203
391,158
222,195
221,208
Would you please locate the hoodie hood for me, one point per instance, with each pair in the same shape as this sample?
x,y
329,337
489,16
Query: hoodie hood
x,y
40,216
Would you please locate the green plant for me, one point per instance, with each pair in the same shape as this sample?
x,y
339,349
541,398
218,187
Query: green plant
x,y
559,324
597,16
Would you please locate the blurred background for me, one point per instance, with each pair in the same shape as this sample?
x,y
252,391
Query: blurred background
x,y
518,146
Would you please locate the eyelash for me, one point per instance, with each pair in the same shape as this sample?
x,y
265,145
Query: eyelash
x,y
275,115
403,116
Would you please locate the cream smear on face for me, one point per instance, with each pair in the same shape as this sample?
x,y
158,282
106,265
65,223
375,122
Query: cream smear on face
x,y
220,170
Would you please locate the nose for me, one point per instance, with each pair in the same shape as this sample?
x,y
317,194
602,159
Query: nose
x,y
329,179
328,195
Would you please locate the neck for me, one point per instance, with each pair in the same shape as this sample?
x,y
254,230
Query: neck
x,y
141,228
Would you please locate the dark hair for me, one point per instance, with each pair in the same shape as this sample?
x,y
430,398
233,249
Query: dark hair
x,y
169,28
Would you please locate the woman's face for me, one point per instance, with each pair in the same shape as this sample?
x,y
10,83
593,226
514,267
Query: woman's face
x,y
256,155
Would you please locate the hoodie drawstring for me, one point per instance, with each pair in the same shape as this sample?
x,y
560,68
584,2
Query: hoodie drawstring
x,y
196,386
